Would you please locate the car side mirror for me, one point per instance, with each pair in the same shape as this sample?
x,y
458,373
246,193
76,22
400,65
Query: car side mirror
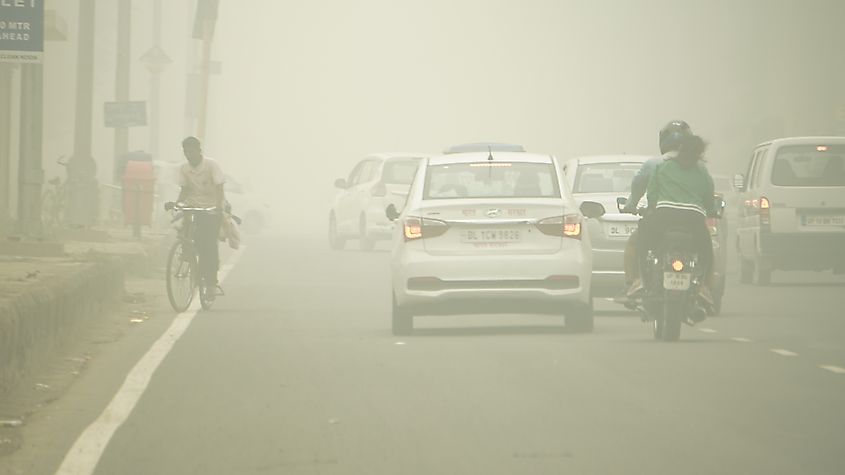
x,y
592,209
391,212
341,183
621,203
739,182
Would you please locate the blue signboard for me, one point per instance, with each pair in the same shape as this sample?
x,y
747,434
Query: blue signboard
x,y
21,31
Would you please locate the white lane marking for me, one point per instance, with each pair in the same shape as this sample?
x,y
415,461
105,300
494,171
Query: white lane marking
x,y
742,339
400,343
83,457
707,330
833,369
783,352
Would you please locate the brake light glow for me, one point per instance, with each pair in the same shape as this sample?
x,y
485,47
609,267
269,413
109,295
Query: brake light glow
x,y
413,229
572,226
416,228
765,206
677,265
565,226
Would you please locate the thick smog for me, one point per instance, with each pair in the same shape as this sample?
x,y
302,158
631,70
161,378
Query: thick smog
x,y
443,237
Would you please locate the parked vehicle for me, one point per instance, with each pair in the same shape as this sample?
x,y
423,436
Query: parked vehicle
x,y
793,208
374,183
490,233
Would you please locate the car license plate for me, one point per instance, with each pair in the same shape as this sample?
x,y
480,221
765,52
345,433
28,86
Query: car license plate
x,y
475,236
676,280
824,220
620,229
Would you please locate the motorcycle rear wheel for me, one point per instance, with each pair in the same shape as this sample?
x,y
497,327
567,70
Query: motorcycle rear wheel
x,y
672,316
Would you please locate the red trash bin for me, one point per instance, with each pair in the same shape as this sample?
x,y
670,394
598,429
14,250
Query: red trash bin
x,y
138,189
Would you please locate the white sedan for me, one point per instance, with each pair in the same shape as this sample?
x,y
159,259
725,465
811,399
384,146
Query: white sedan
x,y
490,233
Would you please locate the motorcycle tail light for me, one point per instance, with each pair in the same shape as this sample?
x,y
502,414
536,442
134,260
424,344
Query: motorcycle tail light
x,y
677,265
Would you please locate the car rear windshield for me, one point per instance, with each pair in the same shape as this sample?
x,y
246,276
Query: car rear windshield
x,y
400,171
809,165
491,179
605,177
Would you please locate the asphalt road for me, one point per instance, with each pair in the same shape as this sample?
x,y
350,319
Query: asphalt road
x,y
295,372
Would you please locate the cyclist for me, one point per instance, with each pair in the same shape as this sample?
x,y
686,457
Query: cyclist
x,y
201,180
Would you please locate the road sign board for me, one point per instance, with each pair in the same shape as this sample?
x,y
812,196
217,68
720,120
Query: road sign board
x,y
125,114
21,31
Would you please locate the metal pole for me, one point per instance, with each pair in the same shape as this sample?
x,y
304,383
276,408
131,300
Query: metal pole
x,y
121,92
82,205
155,84
206,75
30,173
5,140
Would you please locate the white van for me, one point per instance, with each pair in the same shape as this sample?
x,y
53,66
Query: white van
x,y
792,208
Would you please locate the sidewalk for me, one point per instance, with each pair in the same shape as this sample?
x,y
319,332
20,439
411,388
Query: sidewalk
x,y
49,288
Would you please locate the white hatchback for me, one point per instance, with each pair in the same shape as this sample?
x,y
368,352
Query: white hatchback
x,y
491,233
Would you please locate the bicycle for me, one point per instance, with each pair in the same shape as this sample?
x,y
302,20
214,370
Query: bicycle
x,y
183,279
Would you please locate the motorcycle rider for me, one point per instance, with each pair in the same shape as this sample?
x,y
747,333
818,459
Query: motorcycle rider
x,y
669,140
682,192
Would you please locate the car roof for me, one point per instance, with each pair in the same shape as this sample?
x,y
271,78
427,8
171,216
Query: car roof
x,y
807,140
622,158
484,147
390,155
474,157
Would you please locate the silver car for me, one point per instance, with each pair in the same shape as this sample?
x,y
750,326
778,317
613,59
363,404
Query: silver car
x,y
602,179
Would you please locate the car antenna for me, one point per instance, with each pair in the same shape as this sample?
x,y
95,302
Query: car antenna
x,y
490,153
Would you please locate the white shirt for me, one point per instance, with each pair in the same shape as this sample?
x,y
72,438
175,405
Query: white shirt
x,y
201,182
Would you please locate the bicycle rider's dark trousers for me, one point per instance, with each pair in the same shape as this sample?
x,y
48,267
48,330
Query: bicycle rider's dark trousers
x,y
663,219
206,238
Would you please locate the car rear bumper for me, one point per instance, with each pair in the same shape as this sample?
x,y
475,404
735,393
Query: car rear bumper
x,y
487,284
803,251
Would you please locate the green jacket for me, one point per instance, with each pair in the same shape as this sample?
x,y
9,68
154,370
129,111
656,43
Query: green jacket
x,y
674,186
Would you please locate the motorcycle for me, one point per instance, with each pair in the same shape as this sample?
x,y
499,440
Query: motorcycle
x,y
671,277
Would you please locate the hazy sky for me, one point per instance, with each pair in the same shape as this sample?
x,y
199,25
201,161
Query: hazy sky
x,y
312,86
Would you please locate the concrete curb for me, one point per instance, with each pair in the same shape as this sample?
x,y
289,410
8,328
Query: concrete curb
x,y
37,319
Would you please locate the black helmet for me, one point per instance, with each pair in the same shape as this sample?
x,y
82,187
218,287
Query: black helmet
x,y
672,134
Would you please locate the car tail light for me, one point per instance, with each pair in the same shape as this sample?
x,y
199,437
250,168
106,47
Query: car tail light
x,y
379,190
565,226
765,207
419,228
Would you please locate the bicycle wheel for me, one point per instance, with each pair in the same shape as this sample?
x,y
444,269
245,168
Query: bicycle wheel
x,y
181,277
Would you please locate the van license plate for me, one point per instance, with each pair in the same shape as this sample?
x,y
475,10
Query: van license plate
x,y
676,280
824,220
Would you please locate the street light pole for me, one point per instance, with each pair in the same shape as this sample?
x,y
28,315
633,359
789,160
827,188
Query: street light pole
x,y
124,35
82,193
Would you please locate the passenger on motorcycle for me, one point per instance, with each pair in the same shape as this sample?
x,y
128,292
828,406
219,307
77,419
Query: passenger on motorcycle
x,y
669,140
681,194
